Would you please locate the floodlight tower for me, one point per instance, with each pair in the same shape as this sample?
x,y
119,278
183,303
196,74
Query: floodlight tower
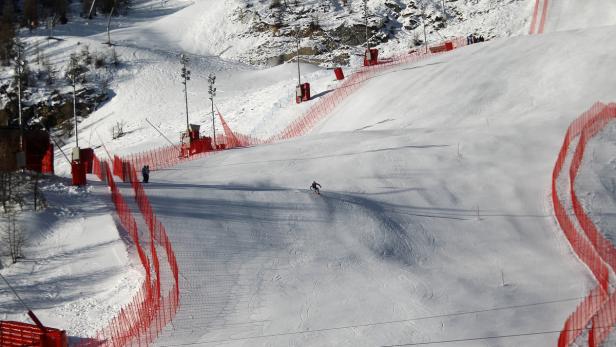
x,y
299,77
423,21
73,74
212,92
366,24
19,71
184,60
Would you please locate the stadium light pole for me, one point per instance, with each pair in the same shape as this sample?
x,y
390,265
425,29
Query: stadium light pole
x,y
423,20
19,67
75,112
299,75
72,75
186,77
366,23
212,92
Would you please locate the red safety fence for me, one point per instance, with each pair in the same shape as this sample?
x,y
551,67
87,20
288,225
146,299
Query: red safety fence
x,y
537,24
18,334
142,320
597,313
603,322
157,230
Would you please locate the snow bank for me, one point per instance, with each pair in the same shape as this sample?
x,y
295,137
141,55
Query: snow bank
x,y
79,271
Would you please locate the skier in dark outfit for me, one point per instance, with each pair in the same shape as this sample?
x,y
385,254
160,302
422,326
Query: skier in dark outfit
x,y
315,186
145,171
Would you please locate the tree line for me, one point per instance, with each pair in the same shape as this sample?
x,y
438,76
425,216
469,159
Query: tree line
x,y
33,13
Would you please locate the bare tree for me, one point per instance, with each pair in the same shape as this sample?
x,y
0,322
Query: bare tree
x,y
117,130
7,190
38,198
13,237
15,190
4,182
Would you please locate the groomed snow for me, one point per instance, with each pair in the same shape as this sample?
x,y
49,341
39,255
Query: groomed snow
x,y
571,15
436,200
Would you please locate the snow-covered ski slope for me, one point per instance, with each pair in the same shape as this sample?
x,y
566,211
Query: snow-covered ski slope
x,y
562,15
436,184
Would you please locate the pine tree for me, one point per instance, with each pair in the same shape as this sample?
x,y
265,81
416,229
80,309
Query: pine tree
x,y
31,13
7,32
60,8
75,71
50,71
107,5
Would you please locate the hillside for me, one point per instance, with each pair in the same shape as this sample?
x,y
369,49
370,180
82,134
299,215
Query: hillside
x,y
331,32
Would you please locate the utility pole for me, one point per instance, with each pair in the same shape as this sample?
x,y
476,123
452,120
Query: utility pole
x,y
186,76
212,91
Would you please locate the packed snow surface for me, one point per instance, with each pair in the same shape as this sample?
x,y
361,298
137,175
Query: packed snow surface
x,y
563,15
428,208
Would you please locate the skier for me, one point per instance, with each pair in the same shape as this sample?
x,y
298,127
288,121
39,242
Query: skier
x,y
145,171
315,186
